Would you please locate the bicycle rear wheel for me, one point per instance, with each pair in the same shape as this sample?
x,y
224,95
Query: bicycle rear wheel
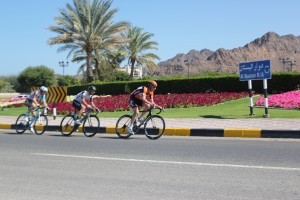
x,y
67,125
154,127
122,126
40,125
91,126
21,124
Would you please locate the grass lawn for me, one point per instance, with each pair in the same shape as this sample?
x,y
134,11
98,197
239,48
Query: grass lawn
x,y
228,110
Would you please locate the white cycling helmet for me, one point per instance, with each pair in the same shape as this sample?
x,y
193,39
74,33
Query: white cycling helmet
x,y
44,89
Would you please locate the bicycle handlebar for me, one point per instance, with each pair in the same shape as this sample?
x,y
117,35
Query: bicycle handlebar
x,y
41,108
160,109
152,108
97,111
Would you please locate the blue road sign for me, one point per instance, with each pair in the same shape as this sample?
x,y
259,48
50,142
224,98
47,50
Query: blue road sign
x,y
257,70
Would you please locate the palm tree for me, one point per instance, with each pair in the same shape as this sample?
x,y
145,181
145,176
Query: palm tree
x,y
139,43
86,28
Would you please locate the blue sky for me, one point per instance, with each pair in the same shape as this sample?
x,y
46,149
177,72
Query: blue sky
x,y
178,27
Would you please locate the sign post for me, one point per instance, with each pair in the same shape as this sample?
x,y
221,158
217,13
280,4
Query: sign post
x,y
257,70
250,97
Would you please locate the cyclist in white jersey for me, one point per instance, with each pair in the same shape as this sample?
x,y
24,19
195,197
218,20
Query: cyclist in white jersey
x,y
80,103
32,100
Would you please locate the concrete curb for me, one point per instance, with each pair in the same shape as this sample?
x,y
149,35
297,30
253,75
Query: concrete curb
x,y
227,132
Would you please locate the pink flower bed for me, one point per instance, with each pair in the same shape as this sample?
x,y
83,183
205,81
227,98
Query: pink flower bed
x,y
11,100
14,102
120,102
289,100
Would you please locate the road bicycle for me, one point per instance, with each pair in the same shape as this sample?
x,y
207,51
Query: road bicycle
x,y
154,125
39,122
90,123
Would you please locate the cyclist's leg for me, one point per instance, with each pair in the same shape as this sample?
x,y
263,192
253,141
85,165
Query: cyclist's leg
x,y
135,114
30,105
79,108
27,114
32,108
134,103
33,114
146,106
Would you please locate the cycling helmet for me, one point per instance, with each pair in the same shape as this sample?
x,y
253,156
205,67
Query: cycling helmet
x,y
44,89
153,83
92,88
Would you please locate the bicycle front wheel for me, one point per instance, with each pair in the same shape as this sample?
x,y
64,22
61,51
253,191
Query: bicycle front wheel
x,y
154,127
21,124
91,126
40,125
67,125
122,126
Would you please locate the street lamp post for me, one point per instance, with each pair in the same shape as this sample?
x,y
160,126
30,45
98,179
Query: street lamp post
x,y
63,65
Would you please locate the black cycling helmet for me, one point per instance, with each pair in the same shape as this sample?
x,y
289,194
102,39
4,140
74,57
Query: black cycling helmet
x,y
92,88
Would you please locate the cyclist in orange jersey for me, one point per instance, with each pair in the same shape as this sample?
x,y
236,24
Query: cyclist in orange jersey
x,y
138,98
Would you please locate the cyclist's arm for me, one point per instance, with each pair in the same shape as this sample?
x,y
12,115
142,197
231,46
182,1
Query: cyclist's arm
x,y
146,101
152,100
93,105
157,106
85,103
153,103
43,99
34,100
46,105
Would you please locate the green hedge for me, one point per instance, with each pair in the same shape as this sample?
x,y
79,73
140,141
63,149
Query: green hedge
x,y
280,82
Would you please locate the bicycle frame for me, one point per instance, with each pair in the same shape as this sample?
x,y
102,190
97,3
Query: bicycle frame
x,y
85,115
36,117
136,126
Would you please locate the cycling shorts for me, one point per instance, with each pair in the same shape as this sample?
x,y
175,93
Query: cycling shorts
x,y
76,104
28,102
134,102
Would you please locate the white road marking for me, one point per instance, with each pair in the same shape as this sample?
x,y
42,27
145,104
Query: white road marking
x,y
171,162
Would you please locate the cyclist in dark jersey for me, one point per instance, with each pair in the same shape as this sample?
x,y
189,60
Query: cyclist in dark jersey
x,y
138,98
80,102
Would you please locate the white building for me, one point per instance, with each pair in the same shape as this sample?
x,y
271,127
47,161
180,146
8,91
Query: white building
x,y
137,73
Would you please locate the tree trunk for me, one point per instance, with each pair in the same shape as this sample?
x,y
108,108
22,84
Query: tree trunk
x,y
99,70
89,70
132,69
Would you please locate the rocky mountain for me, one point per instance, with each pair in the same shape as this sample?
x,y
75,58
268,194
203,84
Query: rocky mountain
x,y
282,51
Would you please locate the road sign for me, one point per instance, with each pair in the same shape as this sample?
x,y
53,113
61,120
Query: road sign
x,y
257,70
54,94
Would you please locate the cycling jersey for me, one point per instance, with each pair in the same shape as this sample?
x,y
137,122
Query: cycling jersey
x,y
138,94
83,95
141,93
37,94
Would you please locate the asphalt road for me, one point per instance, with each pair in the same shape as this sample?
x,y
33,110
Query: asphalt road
x,y
105,167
